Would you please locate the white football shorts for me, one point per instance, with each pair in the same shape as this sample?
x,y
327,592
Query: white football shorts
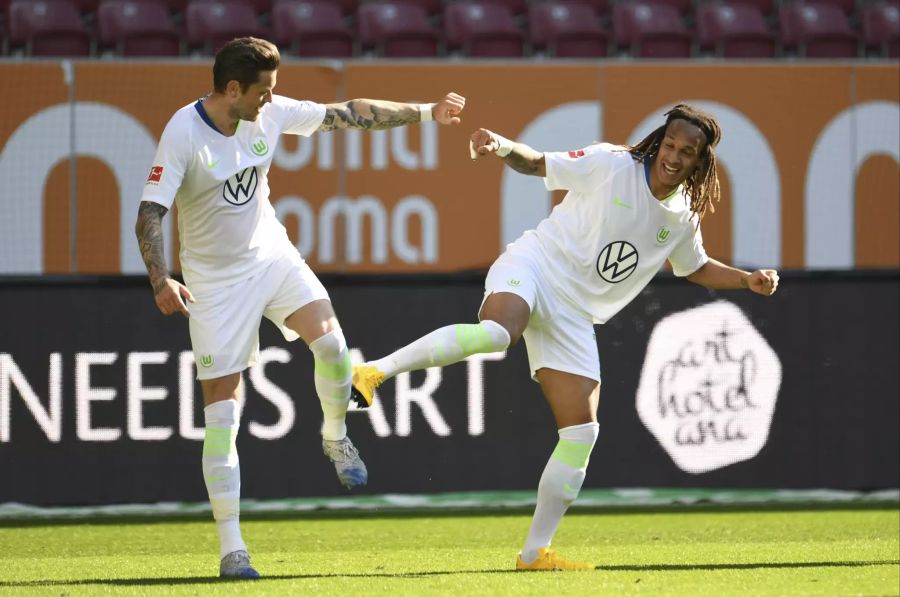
x,y
559,336
225,322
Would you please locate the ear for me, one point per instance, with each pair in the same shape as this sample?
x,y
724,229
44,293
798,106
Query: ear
x,y
233,89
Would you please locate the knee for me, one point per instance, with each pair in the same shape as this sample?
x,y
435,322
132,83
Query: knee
x,y
329,347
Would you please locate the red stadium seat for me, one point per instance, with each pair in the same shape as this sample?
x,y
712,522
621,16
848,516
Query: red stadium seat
x,y
311,29
397,30
48,28
567,30
846,6
766,7
137,28
482,30
432,7
650,30
881,28
734,30
212,23
516,7
817,31
683,7
601,7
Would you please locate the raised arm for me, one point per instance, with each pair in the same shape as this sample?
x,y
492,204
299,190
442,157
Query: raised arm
x,y
717,275
166,291
518,156
382,114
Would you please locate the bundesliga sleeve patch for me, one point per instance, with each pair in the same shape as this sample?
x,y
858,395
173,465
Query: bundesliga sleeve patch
x,y
155,175
576,154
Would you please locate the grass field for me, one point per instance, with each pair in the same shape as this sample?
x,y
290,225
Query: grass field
x,y
661,552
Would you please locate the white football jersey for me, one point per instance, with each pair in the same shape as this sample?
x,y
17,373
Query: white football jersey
x,y
226,224
607,239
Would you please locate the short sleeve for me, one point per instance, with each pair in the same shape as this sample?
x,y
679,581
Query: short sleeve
x,y
688,255
581,170
173,154
296,117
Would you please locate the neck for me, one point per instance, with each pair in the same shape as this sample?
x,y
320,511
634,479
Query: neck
x,y
219,112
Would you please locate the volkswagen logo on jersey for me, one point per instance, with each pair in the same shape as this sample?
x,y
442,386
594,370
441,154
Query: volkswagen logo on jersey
x,y
617,261
239,189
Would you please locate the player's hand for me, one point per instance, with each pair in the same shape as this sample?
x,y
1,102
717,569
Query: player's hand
x,y
482,142
763,281
446,111
168,295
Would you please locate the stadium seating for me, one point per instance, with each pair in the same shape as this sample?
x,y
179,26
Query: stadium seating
x,y
684,7
601,7
211,23
880,23
734,30
432,7
817,31
47,28
649,30
846,6
482,30
567,30
766,7
311,29
397,30
137,28
516,7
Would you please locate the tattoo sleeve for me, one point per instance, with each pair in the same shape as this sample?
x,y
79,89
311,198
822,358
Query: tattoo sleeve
x,y
150,239
525,160
374,115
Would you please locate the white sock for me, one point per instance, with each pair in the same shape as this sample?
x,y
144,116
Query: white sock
x,y
222,472
333,372
559,485
445,346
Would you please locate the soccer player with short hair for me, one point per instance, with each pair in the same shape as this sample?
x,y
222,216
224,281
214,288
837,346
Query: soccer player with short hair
x,y
627,210
238,263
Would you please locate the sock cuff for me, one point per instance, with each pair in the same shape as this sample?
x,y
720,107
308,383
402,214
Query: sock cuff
x,y
497,335
224,413
329,347
586,433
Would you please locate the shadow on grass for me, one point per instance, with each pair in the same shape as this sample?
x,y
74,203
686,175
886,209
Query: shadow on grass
x,y
395,513
138,582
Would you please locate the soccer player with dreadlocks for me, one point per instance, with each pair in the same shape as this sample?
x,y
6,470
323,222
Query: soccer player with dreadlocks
x,y
628,210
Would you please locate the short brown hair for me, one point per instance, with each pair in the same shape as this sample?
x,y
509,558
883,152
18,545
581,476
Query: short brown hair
x,y
241,60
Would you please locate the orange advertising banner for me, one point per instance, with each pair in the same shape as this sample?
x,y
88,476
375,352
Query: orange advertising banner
x,y
809,161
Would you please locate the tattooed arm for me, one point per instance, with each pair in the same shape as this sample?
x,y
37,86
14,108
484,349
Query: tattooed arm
x,y
382,114
166,291
520,158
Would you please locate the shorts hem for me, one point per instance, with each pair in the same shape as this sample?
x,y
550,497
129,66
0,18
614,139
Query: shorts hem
x,y
566,369
217,374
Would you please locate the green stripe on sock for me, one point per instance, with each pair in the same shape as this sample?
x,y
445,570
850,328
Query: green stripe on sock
x,y
218,441
472,338
574,454
335,371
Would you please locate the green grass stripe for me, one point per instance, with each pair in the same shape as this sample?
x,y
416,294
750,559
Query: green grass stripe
x,y
335,371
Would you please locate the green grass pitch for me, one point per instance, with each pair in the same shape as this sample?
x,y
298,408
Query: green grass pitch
x,y
660,552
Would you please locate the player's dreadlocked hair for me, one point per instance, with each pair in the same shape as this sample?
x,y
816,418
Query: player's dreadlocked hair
x,y
241,60
702,186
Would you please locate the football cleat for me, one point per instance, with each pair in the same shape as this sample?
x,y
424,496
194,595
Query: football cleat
x,y
237,565
365,380
351,470
548,560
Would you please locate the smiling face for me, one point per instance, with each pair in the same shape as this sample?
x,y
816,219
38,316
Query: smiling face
x,y
679,154
247,104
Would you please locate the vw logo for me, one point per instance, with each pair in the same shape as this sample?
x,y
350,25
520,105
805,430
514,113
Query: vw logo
x,y
617,261
239,189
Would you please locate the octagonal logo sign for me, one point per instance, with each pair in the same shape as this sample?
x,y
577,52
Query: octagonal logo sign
x,y
708,387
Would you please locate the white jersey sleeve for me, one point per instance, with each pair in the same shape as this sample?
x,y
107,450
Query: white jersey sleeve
x,y
688,255
296,117
173,156
583,170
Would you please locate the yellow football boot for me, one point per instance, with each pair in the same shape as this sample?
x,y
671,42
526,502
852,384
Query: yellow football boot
x,y
548,560
365,380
